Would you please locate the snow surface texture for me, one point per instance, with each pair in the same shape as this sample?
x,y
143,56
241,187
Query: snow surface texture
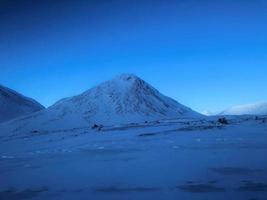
x,y
122,100
164,160
13,104
249,109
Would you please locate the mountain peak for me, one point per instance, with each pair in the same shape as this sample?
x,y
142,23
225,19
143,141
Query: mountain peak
x,y
128,77
123,99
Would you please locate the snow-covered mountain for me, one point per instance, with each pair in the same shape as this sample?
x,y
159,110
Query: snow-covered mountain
x,y
13,104
249,109
124,99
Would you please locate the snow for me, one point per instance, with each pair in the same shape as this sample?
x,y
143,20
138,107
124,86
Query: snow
x,y
249,109
122,100
207,113
14,105
165,160
148,147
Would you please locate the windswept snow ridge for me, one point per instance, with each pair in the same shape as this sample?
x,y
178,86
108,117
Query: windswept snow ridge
x,y
13,104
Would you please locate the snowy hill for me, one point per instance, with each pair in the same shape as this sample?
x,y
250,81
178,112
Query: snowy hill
x,y
13,104
124,99
249,109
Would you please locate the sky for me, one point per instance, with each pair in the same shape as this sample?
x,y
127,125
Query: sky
x,y
208,54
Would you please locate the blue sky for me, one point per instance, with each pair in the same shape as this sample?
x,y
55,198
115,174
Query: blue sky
x,y
208,55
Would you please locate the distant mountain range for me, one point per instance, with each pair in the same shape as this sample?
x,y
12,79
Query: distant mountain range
x,y
249,109
122,100
13,104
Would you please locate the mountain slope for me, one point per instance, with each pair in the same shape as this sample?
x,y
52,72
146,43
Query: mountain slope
x,y
13,104
249,109
124,99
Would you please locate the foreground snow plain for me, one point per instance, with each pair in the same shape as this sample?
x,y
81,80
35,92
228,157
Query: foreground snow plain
x,y
161,160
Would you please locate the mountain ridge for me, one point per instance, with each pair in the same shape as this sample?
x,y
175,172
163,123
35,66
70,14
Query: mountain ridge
x,y
14,104
122,100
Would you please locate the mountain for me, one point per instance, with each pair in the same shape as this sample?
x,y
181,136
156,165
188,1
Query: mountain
x,y
124,99
13,104
249,109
